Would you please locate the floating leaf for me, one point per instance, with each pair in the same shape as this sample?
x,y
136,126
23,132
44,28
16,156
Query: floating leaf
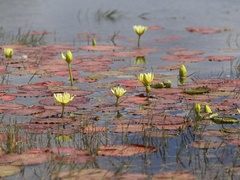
x,y
159,134
25,111
25,159
172,38
93,174
130,128
124,150
94,129
221,58
102,48
8,170
225,120
202,144
129,176
174,176
183,58
198,90
73,159
203,30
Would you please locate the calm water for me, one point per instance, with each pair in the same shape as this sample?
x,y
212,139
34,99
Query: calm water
x,y
65,19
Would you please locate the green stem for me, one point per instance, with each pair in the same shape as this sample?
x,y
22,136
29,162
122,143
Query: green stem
x,y
63,107
148,88
139,40
70,73
116,101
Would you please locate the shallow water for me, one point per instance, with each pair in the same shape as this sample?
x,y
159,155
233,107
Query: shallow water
x,y
66,19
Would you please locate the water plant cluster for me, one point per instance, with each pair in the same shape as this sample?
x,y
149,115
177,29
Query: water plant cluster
x,y
139,125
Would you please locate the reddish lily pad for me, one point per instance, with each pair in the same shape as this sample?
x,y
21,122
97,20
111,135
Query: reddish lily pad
x,y
202,144
185,53
8,170
172,38
56,150
211,133
183,58
174,176
94,129
140,51
25,111
102,48
8,97
130,128
156,27
161,119
202,30
159,134
31,93
4,137
124,150
52,121
25,159
93,174
73,159
221,58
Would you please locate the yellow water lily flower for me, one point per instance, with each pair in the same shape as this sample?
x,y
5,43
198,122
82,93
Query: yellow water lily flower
x,y
69,57
118,91
146,78
183,71
8,52
140,29
63,98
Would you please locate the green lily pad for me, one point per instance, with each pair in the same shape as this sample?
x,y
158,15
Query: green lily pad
x,y
198,90
225,120
9,170
158,85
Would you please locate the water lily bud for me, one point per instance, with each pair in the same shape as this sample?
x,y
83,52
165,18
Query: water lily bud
x,y
69,57
182,80
197,108
207,109
183,71
148,89
8,52
94,42
167,84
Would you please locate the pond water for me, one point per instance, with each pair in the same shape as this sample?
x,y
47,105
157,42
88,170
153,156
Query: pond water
x,y
68,22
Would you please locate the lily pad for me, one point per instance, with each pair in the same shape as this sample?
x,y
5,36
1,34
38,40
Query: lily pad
x,y
225,120
198,90
25,159
124,150
202,144
93,174
8,170
174,176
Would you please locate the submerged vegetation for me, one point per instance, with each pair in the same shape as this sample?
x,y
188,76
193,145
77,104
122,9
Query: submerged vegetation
x,y
182,127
